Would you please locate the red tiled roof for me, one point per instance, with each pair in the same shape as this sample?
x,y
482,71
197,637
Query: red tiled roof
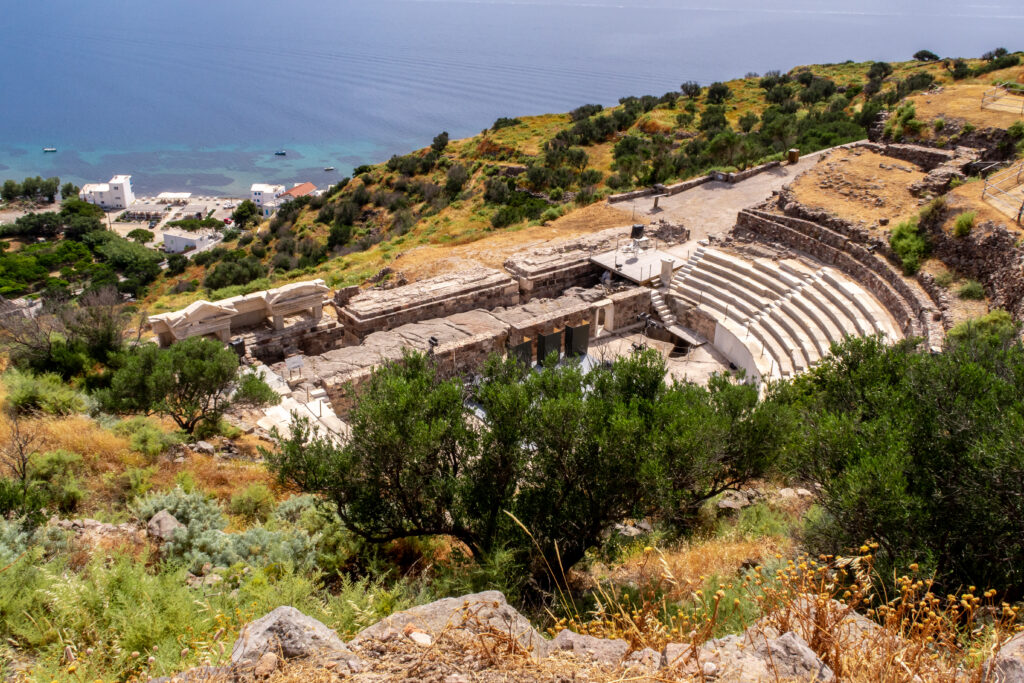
x,y
300,190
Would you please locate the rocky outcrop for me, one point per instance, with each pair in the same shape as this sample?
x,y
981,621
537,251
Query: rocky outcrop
x,y
475,614
486,622
1008,665
162,525
755,655
290,634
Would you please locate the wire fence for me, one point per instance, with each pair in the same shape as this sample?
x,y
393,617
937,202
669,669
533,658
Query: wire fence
x,y
1005,192
1000,98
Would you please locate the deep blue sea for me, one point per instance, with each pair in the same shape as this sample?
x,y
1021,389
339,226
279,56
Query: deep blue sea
x,y
198,94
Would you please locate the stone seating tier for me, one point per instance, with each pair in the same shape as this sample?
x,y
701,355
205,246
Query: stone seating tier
x,y
787,313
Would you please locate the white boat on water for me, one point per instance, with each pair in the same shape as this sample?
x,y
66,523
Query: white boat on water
x,y
328,168
49,149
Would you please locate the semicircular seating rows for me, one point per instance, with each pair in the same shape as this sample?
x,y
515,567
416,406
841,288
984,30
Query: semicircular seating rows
x,y
786,313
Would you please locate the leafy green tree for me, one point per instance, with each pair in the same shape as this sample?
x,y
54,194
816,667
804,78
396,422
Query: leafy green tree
x,y
456,180
748,121
879,70
926,56
713,439
69,190
402,473
440,142
712,119
718,93
10,190
244,214
49,188
560,452
691,89
176,264
141,235
191,382
30,187
921,453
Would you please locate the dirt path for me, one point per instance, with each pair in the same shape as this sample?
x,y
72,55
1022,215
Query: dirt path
x,y
712,207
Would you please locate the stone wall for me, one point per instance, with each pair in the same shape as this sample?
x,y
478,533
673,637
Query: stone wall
x,y
465,339
309,337
857,235
990,254
376,310
548,271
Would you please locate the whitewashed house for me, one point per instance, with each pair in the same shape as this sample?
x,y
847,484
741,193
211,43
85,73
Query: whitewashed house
x,y
264,197
177,241
117,194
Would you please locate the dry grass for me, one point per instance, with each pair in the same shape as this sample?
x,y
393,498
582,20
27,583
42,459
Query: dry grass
x,y
860,186
959,309
961,102
492,250
692,563
967,197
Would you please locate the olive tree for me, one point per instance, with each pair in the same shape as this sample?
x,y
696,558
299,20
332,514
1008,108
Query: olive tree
x,y
193,381
540,462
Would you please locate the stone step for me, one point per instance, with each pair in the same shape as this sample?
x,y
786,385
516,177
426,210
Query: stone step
x,y
755,298
734,263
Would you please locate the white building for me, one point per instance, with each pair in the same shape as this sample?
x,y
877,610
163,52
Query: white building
x,y
262,194
177,241
117,194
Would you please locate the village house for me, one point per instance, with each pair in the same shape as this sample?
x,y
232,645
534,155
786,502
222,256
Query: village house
x,y
116,194
177,241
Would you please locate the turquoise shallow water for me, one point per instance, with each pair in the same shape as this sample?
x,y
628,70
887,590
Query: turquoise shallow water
x,y
197,94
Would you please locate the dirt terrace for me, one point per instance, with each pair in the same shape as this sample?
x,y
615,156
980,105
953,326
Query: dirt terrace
x,y
861,186
962,102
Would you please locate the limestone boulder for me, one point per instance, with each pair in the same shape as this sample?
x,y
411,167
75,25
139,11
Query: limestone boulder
x,y
290,634
590,648
754,655
475,614
1007,666
162,526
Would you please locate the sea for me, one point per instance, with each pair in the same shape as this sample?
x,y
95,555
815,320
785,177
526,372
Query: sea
x,y
198,95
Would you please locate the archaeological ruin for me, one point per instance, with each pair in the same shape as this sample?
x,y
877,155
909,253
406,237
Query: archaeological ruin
x,y
799,270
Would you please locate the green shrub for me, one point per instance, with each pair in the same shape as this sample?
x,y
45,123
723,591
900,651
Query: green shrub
x,y
45,393
997,326
194,509
938,124
254,391
145,436
292,509
944,278
55,474
909,245
919,452
1016,131
195,547
964,223
971,290
636,445
255,503
932,211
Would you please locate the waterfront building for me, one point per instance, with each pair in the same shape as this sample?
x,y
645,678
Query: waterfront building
x,y
116,194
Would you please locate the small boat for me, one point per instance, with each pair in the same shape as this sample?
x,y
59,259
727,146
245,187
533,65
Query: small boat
x,y
328,168
280,153
49,149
